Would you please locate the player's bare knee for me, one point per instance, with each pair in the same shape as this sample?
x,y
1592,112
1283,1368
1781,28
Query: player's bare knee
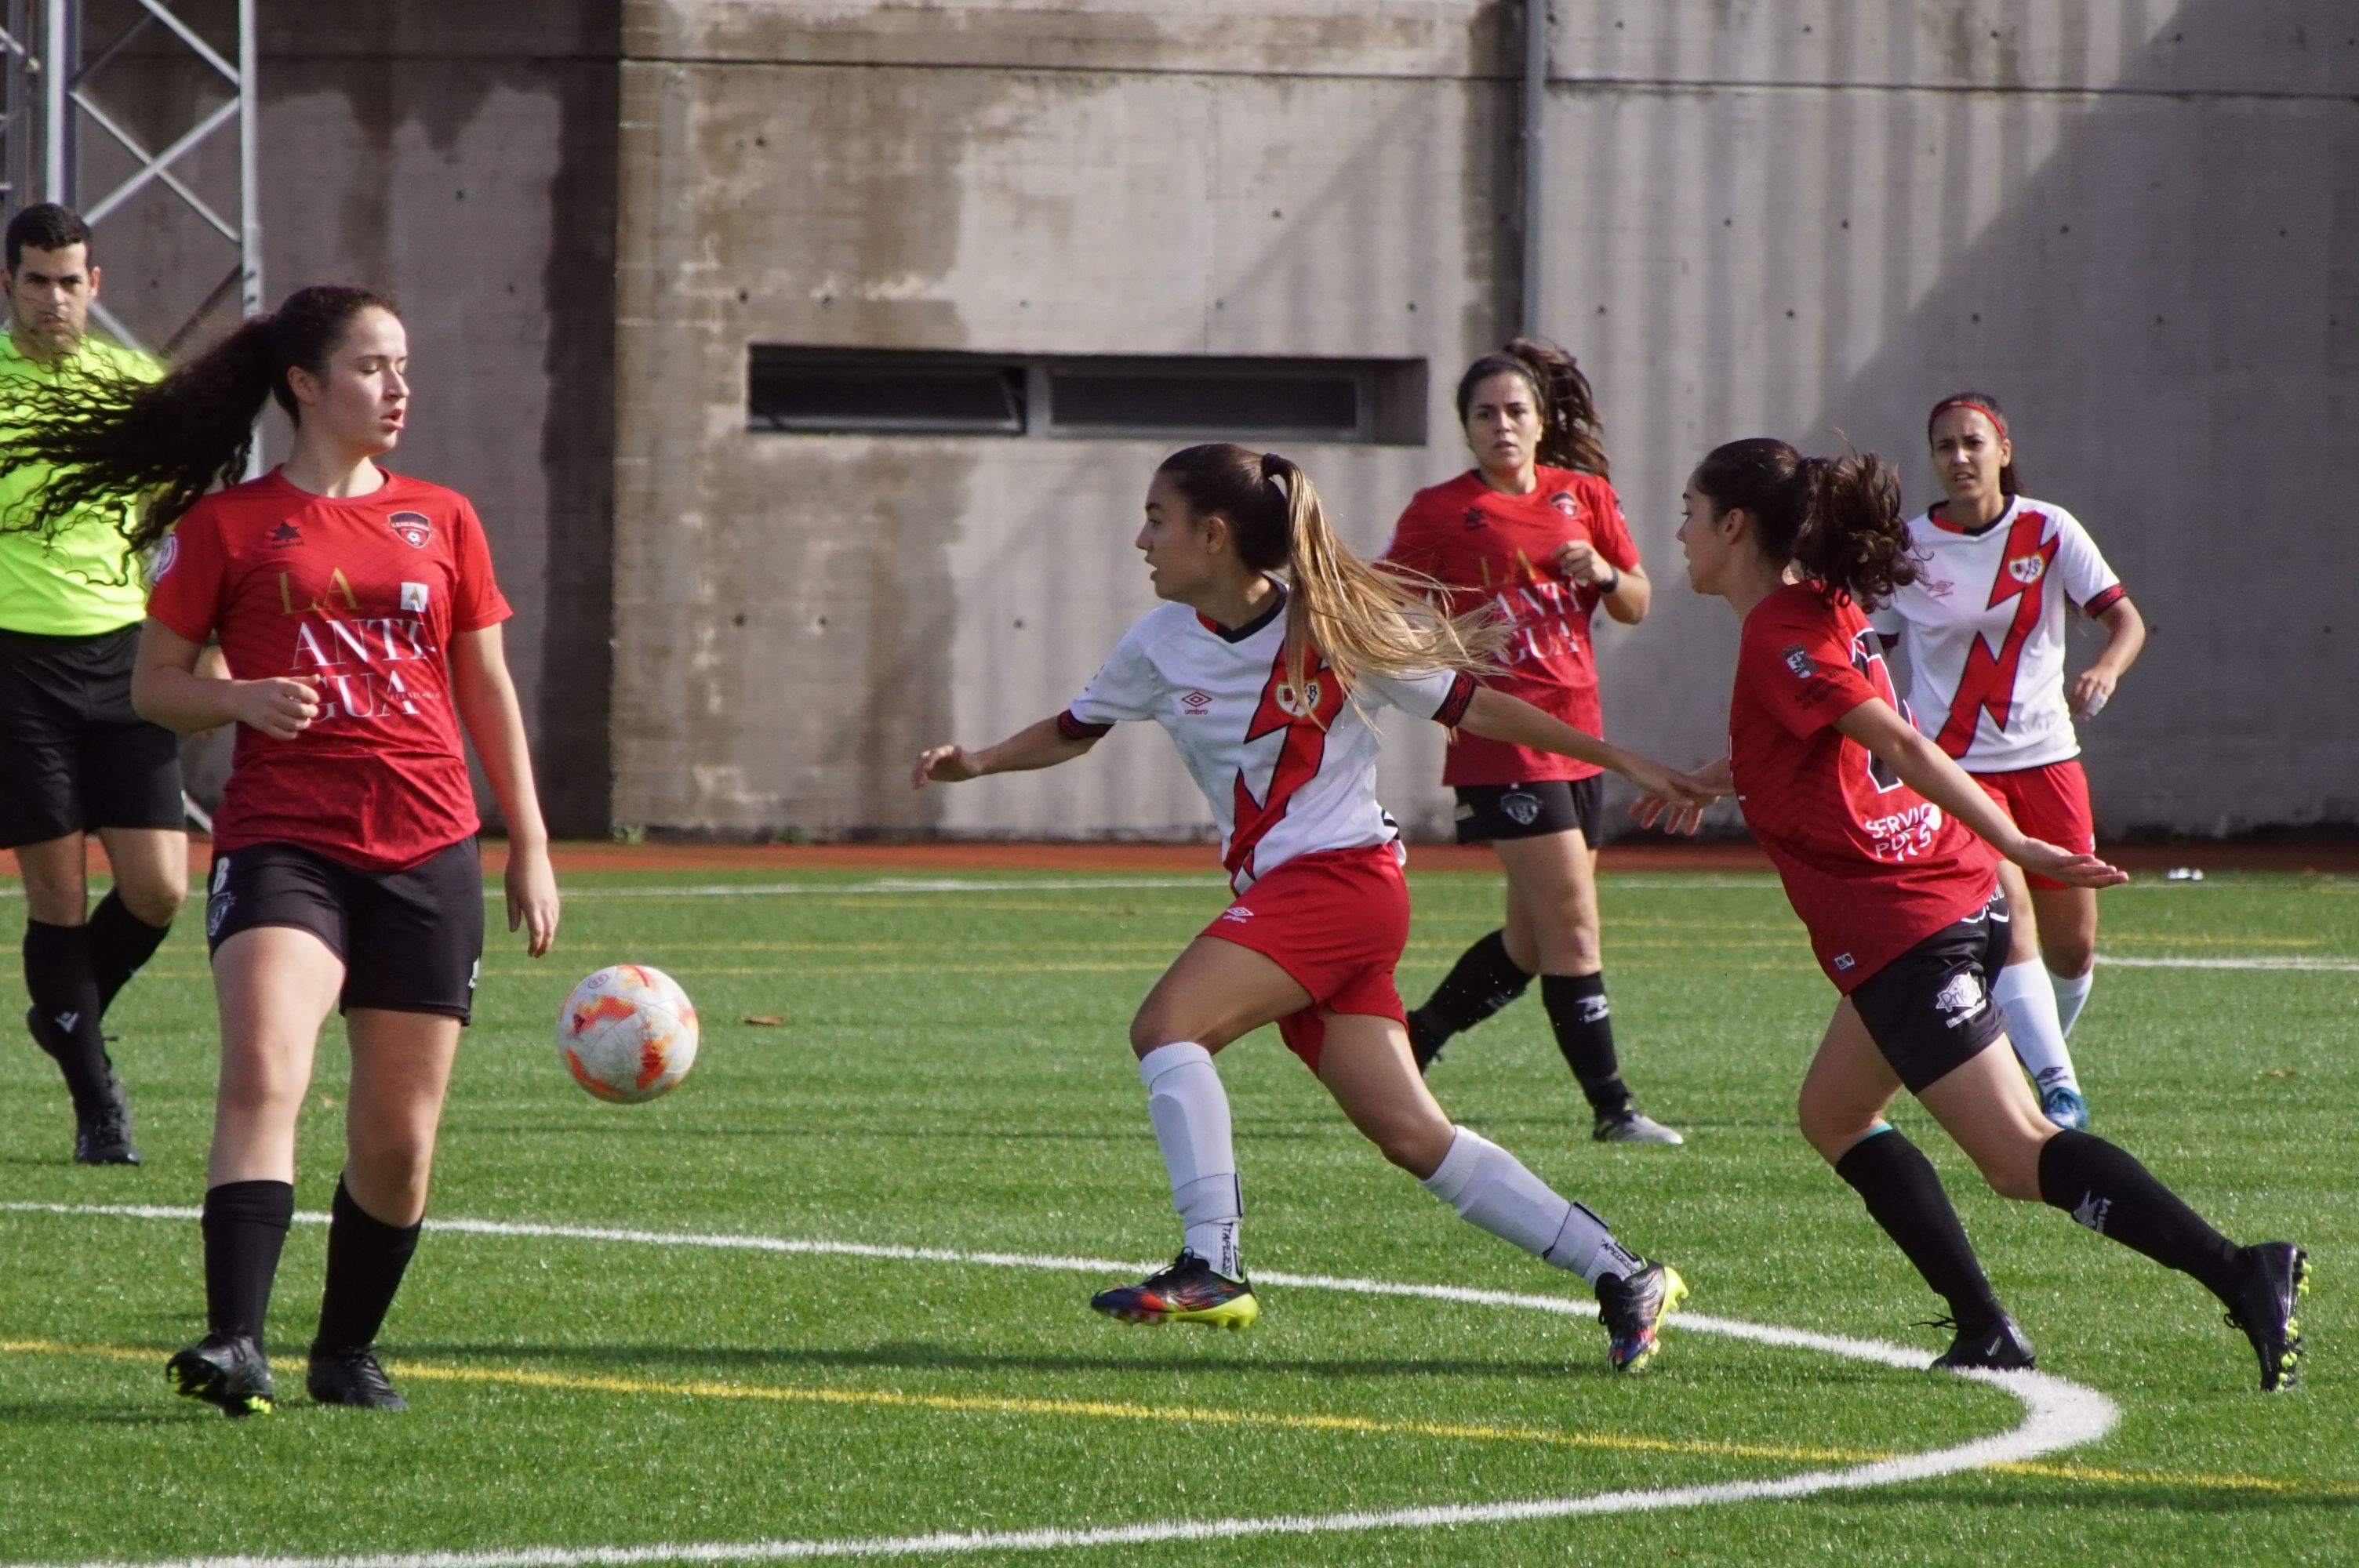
x,y
156,905
1416,1146
2071,955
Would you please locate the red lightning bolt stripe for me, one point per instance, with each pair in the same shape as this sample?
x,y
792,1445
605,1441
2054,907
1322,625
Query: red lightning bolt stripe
x,y
1987,683
1298,757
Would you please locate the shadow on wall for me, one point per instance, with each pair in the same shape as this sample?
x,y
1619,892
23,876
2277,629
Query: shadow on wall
x,y
2169,307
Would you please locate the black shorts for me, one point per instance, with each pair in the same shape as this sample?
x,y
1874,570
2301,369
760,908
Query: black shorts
x,y
1930,1011
410,939
73,754
1529,810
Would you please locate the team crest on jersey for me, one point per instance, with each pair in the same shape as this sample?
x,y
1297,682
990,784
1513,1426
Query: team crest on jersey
x,y
286,535
1564,502
1475,519
1797,659
1298,703
413,528
1961,1000
2027,569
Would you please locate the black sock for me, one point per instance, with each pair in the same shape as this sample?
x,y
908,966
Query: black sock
x,y
120,942
57,974
1583,1022
365,1260
2104,1187
246,1226
1484,980
1905,1196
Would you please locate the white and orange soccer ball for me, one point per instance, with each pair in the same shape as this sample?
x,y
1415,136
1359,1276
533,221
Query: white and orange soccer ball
x,y
628,1032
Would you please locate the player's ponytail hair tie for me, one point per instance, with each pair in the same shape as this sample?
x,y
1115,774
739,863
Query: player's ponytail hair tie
x,y
1274,469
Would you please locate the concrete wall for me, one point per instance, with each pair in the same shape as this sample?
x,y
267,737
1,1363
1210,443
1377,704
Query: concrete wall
x,y
2132,219
462,155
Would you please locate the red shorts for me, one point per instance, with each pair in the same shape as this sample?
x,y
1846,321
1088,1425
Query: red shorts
x,y
2050,802
1336,922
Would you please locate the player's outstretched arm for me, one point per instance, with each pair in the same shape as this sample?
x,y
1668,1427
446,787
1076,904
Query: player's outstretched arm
x,y
166,689
1927,769
1498,717
1041,745
486,700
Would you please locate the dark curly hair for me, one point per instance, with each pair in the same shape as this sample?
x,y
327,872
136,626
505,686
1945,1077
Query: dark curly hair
x,y
1571,436
1838,519
101,436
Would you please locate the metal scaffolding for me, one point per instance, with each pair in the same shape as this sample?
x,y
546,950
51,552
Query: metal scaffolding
x,y
48,101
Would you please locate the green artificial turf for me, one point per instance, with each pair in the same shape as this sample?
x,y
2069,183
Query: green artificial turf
x,y
952,1074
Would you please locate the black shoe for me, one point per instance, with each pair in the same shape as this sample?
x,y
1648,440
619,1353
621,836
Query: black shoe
x,y
1423,1042
103,1131
351,1377
224,1371
2268,1307
1632,1307
1999,1345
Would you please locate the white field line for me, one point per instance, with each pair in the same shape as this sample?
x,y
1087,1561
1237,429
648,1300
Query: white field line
x,y
2288,964
2057,1415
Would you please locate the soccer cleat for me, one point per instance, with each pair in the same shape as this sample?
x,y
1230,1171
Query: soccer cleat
x,y
1630,1127
103,1132
2268,1308
226,1371
1999,1345
1424,1044
1632,1307
2064,1107
351,1377
1188,1292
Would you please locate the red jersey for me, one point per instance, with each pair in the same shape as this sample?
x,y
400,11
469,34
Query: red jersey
x,y
1501,549
1871,866
365,594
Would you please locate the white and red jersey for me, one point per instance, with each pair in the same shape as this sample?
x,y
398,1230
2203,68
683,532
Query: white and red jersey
x,y
1288,772
1985,633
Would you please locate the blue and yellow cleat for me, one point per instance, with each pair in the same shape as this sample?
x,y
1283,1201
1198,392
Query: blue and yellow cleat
x,y
226,1371
1632,1307
2268,1307
1190,1290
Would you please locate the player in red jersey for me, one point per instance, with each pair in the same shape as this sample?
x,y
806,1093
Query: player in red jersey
x,y
1983,630
1873,828
1534,529
360,625
1266,687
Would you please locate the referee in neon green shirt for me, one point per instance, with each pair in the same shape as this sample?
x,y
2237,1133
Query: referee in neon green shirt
x,y
74,759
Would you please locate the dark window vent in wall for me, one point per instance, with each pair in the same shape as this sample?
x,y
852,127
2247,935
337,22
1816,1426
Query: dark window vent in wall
x,y
1165,397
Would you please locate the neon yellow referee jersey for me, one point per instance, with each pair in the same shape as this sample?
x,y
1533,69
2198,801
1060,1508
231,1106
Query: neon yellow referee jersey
x,y
83,580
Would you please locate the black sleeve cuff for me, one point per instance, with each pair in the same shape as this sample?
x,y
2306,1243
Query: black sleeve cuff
x,y
2103,602
1074,729
1453,706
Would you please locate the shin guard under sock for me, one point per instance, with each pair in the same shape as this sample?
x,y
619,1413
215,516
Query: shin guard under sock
x,y
2104,1187
365,1260
65,995
1191,1112
244,1226
1904,1196
1484,980
1491,1188
1584,1021
120,942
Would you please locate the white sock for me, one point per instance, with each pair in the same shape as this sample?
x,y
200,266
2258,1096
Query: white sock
x,y
1490,1187
2031,1023
1191,1112
2071,995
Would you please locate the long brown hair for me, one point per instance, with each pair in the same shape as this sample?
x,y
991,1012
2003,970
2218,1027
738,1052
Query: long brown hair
x,y
1838,519
1358,616
1571,435
101,435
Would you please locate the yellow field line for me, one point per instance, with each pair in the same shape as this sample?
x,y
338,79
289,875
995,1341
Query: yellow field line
x,y
973,1404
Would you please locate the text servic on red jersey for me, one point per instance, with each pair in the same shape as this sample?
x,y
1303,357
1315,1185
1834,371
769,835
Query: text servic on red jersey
x,y
1872,867
363,595
1500,549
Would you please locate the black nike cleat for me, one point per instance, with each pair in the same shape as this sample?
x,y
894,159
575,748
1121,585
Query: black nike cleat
x,y
351,1377
226,1371
1632,1307
2268,1307
1190,1290
1424,1044
101,1131
1999,1345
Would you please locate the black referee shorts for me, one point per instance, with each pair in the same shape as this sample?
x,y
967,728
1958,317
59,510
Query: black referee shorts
x,y
410,939
73,754
1930,1011
1488,812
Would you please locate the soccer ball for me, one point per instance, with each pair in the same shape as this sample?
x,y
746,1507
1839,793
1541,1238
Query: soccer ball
x,y
628,1032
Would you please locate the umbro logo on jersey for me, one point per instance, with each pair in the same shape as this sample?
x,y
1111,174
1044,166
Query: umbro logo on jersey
x,y
1797,659
1195,702
2027,569
413,528
285,535
1238,912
